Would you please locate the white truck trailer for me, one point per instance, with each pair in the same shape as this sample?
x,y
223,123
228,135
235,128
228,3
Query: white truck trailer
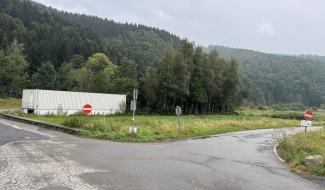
x,y
49,102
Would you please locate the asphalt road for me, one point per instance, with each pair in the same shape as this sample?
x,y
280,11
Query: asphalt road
x,y
34,158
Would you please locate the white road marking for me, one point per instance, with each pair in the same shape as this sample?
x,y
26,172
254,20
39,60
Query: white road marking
x,y
276,152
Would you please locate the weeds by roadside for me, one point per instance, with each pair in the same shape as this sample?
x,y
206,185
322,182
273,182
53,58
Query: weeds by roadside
x,y
295,149
9,103
152,128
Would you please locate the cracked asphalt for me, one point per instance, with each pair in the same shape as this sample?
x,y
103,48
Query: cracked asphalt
x,y
36,158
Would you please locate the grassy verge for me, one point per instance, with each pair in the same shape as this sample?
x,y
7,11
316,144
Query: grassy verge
x,y
318,116
294,150
9,103
152,128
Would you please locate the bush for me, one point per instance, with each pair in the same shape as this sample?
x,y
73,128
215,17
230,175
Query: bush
x,y
76,122
9,103
294,149
288,107
262,108
79,113
289,115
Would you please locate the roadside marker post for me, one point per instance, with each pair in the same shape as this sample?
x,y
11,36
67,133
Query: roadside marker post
x,y
133,108
178,111
308,116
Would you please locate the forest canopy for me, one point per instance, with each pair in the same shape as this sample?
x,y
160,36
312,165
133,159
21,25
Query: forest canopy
x,y
278,79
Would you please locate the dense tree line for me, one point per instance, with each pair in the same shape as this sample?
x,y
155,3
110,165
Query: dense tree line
x,y
83,53
13,70
272,79
186,76
198,82
57,36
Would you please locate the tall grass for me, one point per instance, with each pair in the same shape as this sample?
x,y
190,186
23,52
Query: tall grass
x,y
9,103
151,128
294,150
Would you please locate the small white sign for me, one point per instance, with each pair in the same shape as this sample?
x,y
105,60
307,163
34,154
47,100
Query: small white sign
x,y
133,105
178,110
305,123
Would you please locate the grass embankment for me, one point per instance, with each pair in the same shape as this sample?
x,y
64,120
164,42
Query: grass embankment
x,y
9,103
294,150
152,128
318,116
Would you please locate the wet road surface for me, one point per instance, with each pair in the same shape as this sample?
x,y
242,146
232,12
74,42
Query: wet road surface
x,y
10,133
36,158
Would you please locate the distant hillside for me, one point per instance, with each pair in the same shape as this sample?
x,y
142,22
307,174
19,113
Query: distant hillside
x,y
65,51
272,78
56,36
57,43
313,57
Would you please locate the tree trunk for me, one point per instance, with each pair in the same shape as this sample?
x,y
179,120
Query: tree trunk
x,y
206,105
182,100
174,102
165,101
210,105
213,107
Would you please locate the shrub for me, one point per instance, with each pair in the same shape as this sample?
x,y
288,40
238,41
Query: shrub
x,y
76,122
262,108
294,149
288,107
288,115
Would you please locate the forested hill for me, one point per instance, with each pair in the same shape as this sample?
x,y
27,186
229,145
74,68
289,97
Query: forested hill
x,y
64,51
56,36
313,57
273,78
44,48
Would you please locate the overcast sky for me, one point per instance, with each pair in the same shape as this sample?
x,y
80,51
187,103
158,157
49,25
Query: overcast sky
x,y
276,26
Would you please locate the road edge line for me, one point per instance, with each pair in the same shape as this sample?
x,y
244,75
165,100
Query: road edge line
x,y
276,152
41,124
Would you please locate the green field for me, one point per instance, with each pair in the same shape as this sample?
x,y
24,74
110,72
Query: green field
x,y
294,150
9,103
154,127
319,114
151,128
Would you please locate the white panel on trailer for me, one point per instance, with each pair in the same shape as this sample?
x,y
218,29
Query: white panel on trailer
x,y
44,102
28,101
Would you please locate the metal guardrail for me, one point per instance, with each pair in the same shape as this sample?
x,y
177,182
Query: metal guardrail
x,y
42,124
